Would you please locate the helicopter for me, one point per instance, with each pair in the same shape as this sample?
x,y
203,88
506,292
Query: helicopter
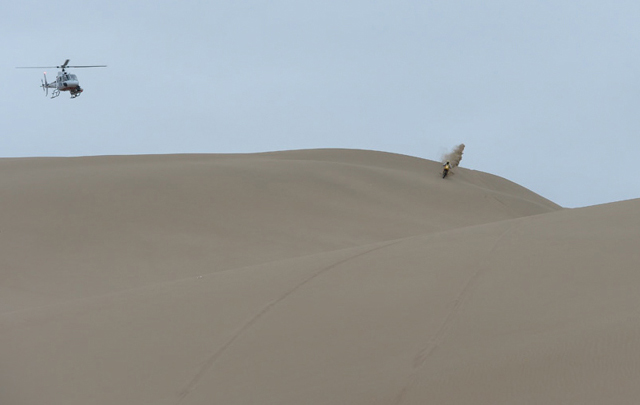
x,y
64,81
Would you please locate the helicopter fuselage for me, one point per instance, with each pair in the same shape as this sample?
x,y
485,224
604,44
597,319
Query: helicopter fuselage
x,y
65,82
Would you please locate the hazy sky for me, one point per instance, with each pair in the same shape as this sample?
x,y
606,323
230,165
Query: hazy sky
x,y
544,93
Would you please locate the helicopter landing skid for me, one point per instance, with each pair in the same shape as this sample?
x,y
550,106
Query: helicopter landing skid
x,y
55,93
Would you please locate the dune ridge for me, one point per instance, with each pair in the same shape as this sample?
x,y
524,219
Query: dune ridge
x,y
312,276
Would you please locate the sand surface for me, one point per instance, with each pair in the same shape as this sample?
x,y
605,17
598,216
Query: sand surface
x,y
309,277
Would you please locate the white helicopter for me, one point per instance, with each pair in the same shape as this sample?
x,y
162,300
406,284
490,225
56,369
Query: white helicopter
x,y
64,81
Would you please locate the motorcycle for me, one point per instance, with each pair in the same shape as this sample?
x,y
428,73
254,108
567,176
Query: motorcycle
x,y
445,171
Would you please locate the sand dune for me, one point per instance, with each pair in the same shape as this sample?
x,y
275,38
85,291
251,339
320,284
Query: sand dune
x,y
315,277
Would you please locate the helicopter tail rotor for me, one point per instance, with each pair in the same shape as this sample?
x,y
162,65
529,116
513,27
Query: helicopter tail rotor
x,y
45,85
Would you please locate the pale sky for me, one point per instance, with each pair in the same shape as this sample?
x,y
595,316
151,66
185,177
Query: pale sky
x,y
543,93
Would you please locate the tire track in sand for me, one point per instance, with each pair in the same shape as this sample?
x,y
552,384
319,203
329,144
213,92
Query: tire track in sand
x,y
460,300
210,362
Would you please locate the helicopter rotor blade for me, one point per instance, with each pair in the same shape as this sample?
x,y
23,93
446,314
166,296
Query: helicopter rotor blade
x,y
65,66
92,66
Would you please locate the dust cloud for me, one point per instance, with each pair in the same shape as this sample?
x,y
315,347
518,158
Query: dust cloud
x,y
455,156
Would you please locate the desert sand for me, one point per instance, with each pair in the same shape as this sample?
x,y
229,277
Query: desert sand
x,y
309,277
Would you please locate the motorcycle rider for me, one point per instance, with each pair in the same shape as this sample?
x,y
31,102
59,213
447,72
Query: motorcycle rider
x,y
447,167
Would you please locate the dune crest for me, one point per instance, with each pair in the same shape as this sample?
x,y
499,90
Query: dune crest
x,y
312,276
